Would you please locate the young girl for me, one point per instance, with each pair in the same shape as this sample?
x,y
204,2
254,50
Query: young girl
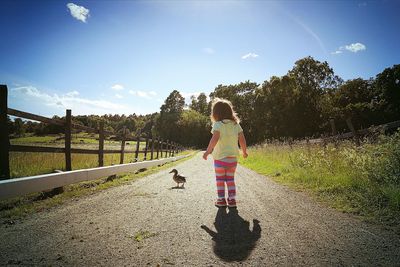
x,y
224,148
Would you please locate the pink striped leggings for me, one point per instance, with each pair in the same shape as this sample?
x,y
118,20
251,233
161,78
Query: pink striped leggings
x,y
225,174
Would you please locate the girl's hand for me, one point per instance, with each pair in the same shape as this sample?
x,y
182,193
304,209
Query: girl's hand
x,y
205,155
245,155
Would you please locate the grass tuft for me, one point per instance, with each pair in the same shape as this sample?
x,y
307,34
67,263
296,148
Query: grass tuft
x,y
141,235
363,180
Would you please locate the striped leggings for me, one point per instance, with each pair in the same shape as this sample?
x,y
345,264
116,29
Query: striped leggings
x,y
225,174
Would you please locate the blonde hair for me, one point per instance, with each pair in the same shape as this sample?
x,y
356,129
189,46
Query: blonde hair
x,y
222,109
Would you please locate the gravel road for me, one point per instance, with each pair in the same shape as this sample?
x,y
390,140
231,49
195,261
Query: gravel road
x,y
149,223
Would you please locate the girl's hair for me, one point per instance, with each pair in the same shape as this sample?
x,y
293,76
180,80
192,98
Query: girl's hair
x,y
222,109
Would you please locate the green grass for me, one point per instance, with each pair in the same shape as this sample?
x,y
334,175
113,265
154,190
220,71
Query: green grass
x,y
18,207
31,163
36,139
141,235
58,139
362,180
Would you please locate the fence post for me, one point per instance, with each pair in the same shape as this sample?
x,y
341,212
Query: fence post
x,y
145,148
152,147
137,149
121,159
101,144
333,126
158,147
68,122
166,148
4,137
173,148
351,127
162,148
308,146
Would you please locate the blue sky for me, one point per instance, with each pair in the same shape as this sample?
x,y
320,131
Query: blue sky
x,y
124,57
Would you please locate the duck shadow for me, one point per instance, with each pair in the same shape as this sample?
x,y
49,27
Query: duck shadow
x,y
233,239
176,187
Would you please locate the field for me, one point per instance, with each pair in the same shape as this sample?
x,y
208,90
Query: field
x,y
30,163
363,180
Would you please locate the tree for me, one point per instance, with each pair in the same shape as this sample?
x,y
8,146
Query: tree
x,y
200,104
275,108
174,103
387,93
313,79
194,129
166,124
19,128
353,99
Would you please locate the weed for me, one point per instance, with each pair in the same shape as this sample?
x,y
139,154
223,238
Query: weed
x,y
363,180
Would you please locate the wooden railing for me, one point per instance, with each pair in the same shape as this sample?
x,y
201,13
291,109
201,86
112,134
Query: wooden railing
x,y
155,147
354,134
25,185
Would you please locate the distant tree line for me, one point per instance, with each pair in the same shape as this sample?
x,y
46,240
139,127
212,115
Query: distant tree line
x,y
298,104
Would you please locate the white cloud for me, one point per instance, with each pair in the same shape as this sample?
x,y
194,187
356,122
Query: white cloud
x,y
355,47
351,47
72,94
117,87
208,50
79,12
249,55
70,100
148,95
118,96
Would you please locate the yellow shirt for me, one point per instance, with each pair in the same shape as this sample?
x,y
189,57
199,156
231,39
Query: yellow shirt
x,y
227,145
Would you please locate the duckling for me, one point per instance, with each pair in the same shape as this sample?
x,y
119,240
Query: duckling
x,y
179,179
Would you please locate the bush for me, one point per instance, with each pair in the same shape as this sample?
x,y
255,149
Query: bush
x,y
385,164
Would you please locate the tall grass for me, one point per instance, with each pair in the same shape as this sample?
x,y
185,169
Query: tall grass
x,y
363,179
32,163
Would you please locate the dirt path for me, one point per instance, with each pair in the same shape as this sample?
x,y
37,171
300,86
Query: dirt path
x,y
272,226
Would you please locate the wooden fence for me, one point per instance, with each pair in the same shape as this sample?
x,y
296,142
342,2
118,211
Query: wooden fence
x,y
155,147
354,134
25,185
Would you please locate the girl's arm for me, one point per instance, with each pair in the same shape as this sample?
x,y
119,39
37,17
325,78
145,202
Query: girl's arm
x,y
212,144
243,146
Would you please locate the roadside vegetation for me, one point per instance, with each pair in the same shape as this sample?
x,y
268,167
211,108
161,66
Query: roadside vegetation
x,y
363,180
31,163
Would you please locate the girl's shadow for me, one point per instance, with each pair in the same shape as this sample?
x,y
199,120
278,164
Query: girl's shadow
x,y
233,240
